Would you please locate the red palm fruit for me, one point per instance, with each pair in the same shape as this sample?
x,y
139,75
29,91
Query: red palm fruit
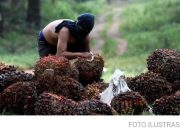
x,y
61,66
6,68
150,85
166,62
51,104
93,90
89,71
167,105
129,103
19,98
70,88
176,85
60,85
1,107
46,82
94,107
10,74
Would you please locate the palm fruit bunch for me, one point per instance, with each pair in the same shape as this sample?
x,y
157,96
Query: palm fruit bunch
x,y
93,90
94,107
1,107
10,74
167,105
129,103
1,63
46,81
166,62
90,71
176,85
60,65
70,88
150,85
19,98
51,104
74,73
61,85
6,68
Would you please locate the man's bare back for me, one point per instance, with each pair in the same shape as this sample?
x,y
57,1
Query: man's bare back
x,y
51,36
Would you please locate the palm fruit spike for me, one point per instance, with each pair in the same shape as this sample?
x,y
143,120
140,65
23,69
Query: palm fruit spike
x,y
166,62
1,63
74,73
19,98
167,105
1,107
70,88
89,71
150,85
10,77
6,68
51,104
10,74
129,103
46,81
93,90
60,65
94,107
61,85
176,86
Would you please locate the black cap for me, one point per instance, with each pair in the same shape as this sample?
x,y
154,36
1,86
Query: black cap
x,y
85,23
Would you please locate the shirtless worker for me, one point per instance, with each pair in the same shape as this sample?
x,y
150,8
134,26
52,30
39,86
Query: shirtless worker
x,y
68,38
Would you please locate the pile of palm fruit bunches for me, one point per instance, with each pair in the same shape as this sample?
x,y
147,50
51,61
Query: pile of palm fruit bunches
x,y
71,87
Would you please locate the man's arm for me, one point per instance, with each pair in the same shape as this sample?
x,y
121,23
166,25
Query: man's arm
x,y
63,37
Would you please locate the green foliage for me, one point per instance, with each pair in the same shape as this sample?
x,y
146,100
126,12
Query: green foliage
x,y
59,10
109,48
151,25
15,42
91,6
110,44
14,15
68,9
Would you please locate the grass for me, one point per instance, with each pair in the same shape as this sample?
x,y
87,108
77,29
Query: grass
x,y
151,25
131,66
24,60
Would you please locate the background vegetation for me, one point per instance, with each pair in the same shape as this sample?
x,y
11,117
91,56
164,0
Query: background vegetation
x,y
145,24
151,25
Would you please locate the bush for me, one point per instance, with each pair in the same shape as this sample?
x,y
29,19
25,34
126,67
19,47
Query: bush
x,y
151,25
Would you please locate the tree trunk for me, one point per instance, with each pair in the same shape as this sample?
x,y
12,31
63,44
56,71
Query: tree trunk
x,y
33,13
109,1
1,21
14,3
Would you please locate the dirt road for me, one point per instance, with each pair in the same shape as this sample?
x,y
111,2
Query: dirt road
x,y
113,31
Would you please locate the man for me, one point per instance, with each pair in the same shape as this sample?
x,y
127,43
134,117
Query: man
x,y
67,38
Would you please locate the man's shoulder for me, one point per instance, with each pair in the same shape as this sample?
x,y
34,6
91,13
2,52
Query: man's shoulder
x,y
64,31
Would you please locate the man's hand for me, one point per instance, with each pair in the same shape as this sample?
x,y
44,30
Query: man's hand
x,y
86,55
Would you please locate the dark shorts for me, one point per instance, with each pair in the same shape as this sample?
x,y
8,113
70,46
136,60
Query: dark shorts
x,y
44,48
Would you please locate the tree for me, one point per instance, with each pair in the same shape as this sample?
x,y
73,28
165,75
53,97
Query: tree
x,y
33,13
1,21
14,3
108,1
